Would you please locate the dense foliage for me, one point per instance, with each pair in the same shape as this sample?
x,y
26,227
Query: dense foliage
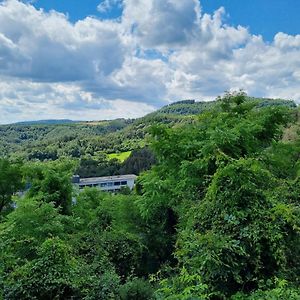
x,y
216,217
53,139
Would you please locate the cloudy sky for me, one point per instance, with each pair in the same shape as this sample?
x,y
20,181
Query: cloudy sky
x,y
91,60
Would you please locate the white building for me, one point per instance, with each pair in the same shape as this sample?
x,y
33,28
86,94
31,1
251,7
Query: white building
x,y
108,183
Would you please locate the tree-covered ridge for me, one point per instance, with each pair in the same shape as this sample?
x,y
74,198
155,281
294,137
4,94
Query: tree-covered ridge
x,y
192,107
46,122
55,140
78,139
216,217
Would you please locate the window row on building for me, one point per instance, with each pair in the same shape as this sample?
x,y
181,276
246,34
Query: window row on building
x,y
108,183
104,184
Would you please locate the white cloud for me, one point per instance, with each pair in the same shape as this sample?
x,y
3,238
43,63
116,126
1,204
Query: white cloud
x,y
26,100
47,47
161,23
158,51
107,5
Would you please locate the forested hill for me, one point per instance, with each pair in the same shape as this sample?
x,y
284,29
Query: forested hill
x,y
51,139
216,217
192,107
48,122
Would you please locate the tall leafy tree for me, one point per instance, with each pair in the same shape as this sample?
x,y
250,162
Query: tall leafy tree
x,y
52,184
10,182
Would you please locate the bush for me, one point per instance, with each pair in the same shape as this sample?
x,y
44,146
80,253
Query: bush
x,y
136,289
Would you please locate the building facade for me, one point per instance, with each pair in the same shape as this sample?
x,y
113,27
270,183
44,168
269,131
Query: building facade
x,y
107,183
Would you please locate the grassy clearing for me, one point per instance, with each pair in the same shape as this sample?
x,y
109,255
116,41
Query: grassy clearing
x,y
120,156
96,123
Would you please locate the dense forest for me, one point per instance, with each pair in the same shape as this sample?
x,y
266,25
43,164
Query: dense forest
x,y
214,215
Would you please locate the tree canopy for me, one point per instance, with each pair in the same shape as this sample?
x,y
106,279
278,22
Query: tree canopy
x,y
214,215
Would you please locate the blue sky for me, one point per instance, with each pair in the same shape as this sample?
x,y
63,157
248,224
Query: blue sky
x,y
265,17
107,59
78,9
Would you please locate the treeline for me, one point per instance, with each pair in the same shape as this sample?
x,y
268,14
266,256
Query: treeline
x,y
78,139
216,217
49,142
52,142
139,160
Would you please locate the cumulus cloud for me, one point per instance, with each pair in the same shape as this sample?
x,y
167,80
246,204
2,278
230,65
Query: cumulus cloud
x,y
162,22
47,47
158,51
39,100
107,5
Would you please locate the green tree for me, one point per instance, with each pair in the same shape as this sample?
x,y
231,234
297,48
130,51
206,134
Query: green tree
x,y
241,235
28,226
51,183
229,228
54,274
10,182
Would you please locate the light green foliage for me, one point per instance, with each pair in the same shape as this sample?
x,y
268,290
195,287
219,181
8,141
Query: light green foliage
x,y
86,206
183,286
120,156
111,225
29,226
191,154
277,290
238,232
216,218
71,255
52,184
220,176
54,274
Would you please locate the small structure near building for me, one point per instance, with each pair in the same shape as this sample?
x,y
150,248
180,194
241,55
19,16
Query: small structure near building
x,y
107,183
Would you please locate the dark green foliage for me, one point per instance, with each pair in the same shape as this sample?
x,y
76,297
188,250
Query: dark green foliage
x,y
47,154
51,141
283,159
187,107
10,182
102,221
97,167
124,251
139,160
103,287
136,289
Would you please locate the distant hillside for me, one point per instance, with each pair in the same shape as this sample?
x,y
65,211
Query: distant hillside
x,y
47,122
273,102
187,107
193,107
51,139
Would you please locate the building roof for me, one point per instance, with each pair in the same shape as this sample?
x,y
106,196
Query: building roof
x,y
91,180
